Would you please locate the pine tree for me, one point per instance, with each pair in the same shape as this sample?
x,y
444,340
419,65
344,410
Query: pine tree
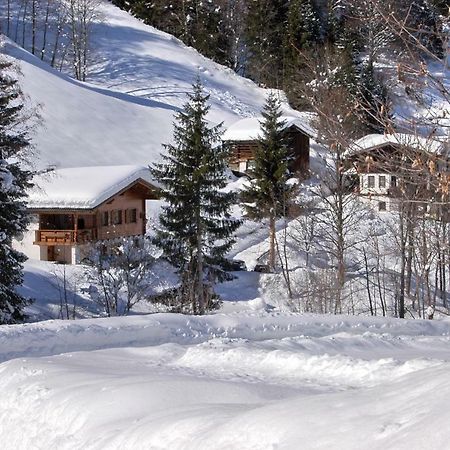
x,y
269,194
196,226
14,180
424,17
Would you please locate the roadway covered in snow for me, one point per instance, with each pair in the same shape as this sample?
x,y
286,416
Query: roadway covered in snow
x,y
236,380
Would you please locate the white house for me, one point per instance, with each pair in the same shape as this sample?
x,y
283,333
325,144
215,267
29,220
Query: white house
x,y
378,160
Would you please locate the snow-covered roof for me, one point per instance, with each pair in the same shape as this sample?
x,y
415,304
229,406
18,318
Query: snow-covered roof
x,y
83,187
249,129
374,141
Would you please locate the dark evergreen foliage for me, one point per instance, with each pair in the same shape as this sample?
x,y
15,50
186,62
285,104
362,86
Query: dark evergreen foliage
x,y
268,193
264,36
425,23
13,181
375,113
196,226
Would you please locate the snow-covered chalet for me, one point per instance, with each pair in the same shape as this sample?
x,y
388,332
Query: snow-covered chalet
x,y
73,207
242,140
381,166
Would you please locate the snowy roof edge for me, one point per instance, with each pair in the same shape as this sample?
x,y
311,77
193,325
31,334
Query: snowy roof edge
x,y
45,201
248,129
374,141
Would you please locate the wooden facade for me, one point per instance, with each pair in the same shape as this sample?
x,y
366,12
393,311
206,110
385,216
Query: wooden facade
x,y
242,153
62,231
390,172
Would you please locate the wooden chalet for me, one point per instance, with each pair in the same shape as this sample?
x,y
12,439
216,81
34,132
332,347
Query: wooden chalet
x,y
242,140
383,167
77,206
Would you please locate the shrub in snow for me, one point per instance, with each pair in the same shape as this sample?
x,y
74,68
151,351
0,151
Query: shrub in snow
x,y
120,272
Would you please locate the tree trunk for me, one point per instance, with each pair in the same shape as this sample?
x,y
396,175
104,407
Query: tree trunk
x,y
200,285
403,238
369,294
272,249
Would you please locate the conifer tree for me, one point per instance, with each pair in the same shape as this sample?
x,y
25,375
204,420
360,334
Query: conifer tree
x,y
14,180
196,226
303,24
264,40
268,195
302,34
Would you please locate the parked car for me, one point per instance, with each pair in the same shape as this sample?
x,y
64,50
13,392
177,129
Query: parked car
x,y
234,265
262,268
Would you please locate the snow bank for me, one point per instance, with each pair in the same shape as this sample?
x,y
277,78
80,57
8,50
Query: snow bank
x,y
57,336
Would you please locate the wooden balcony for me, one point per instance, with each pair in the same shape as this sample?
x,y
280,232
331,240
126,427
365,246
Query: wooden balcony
x,y
64,237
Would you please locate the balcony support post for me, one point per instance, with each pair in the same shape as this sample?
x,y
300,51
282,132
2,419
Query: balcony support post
x,y
75,227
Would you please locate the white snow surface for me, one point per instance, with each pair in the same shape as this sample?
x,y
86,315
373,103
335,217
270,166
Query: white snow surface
x,y
249,129
240,380
83,187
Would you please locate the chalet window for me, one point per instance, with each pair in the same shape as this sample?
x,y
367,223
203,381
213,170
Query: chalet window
x,y
382,181
394,181
382,206
116,216
371,181
105,219
250,164
131,215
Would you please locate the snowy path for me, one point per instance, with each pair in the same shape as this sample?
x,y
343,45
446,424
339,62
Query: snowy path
x,y
227,381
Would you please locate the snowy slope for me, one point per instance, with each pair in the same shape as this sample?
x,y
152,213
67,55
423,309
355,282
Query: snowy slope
x,y
84,126
125,111
228,381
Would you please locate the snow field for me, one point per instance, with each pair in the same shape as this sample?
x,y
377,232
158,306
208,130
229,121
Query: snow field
x,y
227,381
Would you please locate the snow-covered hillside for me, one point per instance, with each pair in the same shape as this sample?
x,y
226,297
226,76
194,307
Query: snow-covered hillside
x,y
229,381
125,111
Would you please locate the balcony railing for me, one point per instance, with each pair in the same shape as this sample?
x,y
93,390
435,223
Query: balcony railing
x,y
65,237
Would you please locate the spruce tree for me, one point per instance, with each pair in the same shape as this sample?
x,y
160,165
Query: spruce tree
x,y
268,195
14,180
196,226
265,25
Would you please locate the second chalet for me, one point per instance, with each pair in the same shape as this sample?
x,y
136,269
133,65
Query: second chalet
x,y
242,140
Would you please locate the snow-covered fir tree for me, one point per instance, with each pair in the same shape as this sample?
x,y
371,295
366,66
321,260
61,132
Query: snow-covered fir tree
x,y
269,194
196,226
14,143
